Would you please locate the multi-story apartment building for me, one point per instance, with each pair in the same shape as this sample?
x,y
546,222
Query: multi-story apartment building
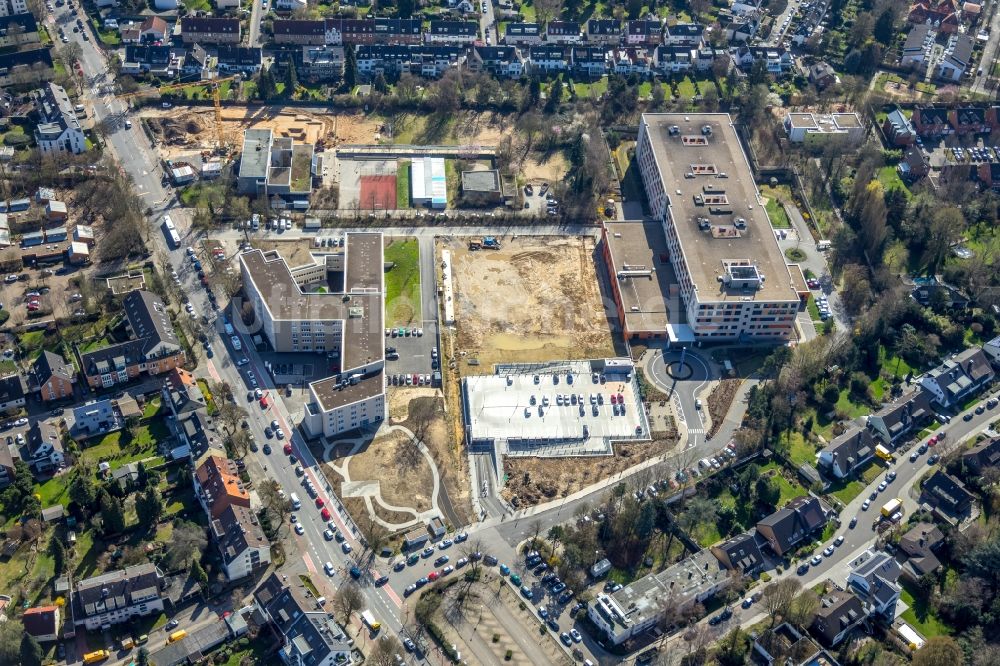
x,y
18,29
12,7
118,596
452,32
502,61
153,349
308,634
346,326
714,271
604,31
323,63
59,130
427,60
30,66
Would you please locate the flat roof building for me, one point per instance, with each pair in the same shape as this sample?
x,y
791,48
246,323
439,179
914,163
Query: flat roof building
x,y
730,280
296,316
816,128
639,605
272,165
429,183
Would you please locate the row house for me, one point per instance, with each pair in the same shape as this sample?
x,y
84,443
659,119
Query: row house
x,y
195,63
604,31
626,61
956,60
291,31
242,59
118,596
392,60
522,34
778,60
743,28
547,58
684,34
30,65
563,32
943,14
644,32
673,59
970,120
898,129
931,121
989,174
505,62
590,61
918,46
203,30
161,61
452,32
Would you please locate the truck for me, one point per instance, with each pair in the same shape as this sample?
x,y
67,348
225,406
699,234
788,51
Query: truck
x,y
884,453
490,242
891,508
176,636
95,656
475,245
370,621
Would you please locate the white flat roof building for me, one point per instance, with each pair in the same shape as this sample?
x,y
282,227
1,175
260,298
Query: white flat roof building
x,y
554,409
428,182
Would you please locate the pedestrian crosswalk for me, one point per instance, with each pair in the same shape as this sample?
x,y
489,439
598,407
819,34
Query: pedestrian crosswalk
x,y
696,431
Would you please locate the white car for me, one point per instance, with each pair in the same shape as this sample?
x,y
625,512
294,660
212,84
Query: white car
x,y
237,345
328,568
20,422
10,278
299,529
279,433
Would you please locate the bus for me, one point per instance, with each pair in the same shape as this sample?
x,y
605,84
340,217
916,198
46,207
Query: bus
x,y
95,656
171,231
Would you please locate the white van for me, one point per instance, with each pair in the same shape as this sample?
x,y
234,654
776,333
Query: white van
x,y
296,503
823,245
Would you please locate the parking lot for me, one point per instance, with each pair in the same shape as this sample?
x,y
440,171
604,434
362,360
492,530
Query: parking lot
x,y
409,352
538,199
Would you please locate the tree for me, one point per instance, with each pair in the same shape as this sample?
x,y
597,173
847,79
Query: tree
x,y
187,541
112,514
404,8
379,84
803,609
768,492
198,573
348,600
946,227
31,651
733,648
58,553
277,507
149,508
10,642
555,96
82,490
658,96
883,31
142,659
939,651
385,651
547,9
266,87
350,67
778,597
291,78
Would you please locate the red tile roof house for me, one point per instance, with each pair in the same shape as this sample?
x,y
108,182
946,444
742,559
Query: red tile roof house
x,y
943,15
42,623
931,121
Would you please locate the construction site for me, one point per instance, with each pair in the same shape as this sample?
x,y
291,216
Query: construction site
x,y
528,299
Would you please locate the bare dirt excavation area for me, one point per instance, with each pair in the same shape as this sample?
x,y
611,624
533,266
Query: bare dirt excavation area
x,y
536,299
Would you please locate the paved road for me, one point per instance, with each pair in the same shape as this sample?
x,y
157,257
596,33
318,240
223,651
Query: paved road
x,y
256,13
990,52
487,23
683,391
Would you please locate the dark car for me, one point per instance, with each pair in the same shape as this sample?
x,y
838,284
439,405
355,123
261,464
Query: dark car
x,y
355,572
802,570
490,560
267,449
441,560
381,580
552,624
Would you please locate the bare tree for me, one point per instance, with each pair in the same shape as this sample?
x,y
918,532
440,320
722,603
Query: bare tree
x,y
778,597
278,508
385,651
348,600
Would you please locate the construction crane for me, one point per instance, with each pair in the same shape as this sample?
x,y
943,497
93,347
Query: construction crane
x,y
216,87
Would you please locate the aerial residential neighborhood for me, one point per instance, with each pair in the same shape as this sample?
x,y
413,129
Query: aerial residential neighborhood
x,y
499,331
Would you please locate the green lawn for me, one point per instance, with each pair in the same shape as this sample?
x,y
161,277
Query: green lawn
x,y
778,216
813,310
852,409
789,490
593,90
846,492
800,451
53,491
402,282
686,88
198,5
209,400
403,184
921,617
890,179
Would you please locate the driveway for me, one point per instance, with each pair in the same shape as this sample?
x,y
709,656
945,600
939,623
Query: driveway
x,y
682,386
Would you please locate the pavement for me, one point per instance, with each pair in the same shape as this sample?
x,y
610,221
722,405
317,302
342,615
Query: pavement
x,y
991,50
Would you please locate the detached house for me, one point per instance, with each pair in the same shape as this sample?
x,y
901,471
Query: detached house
x,y
42,623
45,447
188,406
897,420
874,577
839,612
242,59
452,32
958,378
644,33
673,59
563,32
793,524
607,32
52,377
202,30
118,596
947,497
846,454
628,61
153,349
983,455
920,545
